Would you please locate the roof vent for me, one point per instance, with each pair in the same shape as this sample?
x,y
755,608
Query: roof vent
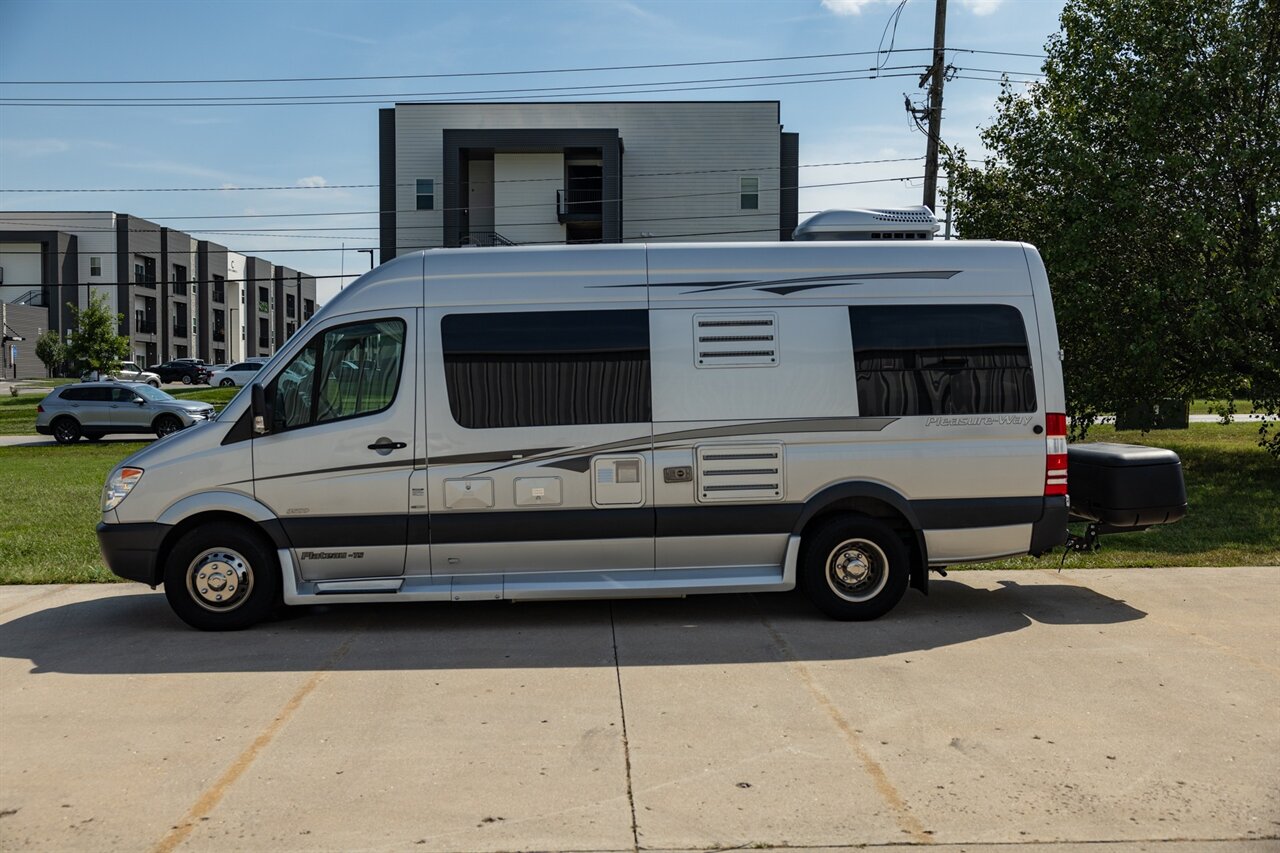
x,y
904,223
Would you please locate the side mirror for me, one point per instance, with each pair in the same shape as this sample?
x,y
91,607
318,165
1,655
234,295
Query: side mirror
x,y
261,415
139,401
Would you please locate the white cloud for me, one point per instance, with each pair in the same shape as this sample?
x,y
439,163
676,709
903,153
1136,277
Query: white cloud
x,y
847,7
312,181
34,147
981,7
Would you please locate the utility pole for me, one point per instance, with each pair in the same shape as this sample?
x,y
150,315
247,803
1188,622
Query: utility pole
x,y
936,75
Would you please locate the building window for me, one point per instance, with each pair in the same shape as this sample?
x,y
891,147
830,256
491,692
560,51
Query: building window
x,y
264,332
180,351
748,193
180,320
219,290
179,280
219,356
289,329
941,360
547,368
308,308
426,194
290,305
144,271
95,266
264,301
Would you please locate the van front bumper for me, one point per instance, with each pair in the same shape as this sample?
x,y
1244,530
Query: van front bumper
x,y
131,550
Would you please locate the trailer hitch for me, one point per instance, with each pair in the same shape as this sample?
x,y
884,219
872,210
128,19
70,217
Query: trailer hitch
x,y
1081,544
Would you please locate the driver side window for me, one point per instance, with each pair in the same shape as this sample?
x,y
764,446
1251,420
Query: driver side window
x,y
344,372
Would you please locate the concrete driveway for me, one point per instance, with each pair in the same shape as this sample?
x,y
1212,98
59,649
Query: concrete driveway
x,y
1122,710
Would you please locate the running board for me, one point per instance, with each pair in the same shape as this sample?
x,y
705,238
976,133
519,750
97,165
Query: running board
x,y
543,586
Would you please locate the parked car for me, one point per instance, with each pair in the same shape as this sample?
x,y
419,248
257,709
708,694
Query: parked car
x,y
236,374
185,370
128,371
95,409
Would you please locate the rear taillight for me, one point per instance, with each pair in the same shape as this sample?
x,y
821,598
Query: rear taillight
x,y
1055,454
39,409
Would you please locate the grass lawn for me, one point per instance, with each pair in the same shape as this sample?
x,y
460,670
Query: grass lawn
x,y
47,528
18,414
1233,487
1210,407
1233,497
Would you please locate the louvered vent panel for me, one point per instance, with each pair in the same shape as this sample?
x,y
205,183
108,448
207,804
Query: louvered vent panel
x,y
735,340
740,472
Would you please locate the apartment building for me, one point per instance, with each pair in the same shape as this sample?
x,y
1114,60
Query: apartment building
x,y
178,296
601,172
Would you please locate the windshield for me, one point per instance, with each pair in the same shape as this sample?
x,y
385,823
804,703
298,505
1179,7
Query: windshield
x,y
155,395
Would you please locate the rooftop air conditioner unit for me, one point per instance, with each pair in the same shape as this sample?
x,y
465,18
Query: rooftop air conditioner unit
x,y
905,223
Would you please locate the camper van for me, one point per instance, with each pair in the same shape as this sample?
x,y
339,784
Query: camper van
x,y
621,421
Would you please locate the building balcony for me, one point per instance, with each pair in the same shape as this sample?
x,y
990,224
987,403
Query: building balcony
x,y
579,206
264,307
180,331
219,335
264,343
145,327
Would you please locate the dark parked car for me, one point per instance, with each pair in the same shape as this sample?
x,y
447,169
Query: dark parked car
x,y
184,370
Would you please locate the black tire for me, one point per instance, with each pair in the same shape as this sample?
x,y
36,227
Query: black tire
x,y
153,383
227,383
94,436
235,558
854,568
166,425
66,430
186,379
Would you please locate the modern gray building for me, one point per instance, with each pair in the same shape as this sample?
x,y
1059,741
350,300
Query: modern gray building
x,y
528,173
179,297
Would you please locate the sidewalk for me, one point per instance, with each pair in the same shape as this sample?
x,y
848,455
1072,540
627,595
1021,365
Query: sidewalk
x,y
1006,712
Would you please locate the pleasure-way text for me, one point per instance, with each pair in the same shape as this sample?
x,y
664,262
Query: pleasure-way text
x,y
621,420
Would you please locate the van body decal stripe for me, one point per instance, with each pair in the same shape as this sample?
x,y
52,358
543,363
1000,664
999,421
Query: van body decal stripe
x,y
549,525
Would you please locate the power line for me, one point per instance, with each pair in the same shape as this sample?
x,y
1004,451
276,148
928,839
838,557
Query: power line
x,y
628,200
502,98
444,183
454,75
551,91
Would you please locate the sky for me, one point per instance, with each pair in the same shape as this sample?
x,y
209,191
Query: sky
x,y
253,175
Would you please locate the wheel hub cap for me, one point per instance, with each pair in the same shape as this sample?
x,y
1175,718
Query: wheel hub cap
x,y
219,580
852,567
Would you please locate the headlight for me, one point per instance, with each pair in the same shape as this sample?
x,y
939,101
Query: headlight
x,y
119,486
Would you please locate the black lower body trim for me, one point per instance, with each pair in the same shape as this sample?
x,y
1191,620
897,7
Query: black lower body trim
x,y
958,513
131,550
1050,530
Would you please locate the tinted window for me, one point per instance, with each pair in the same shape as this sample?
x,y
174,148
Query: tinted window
x,y
122,395
547,368
74,394
941,360
343,372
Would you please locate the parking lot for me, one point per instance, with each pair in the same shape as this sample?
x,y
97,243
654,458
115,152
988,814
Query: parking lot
x,y
1007,711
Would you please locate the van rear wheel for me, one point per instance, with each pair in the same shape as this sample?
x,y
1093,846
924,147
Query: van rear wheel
x,y
855,569
222,577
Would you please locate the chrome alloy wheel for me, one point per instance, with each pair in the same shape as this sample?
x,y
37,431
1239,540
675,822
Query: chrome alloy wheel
x,y
857,570
219,579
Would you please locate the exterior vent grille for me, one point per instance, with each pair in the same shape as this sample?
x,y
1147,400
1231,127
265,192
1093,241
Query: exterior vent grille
x,y
739,472
740,340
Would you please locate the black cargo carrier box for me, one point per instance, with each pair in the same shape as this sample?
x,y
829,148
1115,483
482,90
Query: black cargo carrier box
x,y
1125,487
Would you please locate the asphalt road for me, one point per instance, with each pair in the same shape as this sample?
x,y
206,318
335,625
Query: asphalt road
x,y
1103,710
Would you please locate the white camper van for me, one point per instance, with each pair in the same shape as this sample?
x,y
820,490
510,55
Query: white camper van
x,y
621,420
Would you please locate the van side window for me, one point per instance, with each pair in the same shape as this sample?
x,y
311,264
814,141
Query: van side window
x,y
941,360
547,368
343,372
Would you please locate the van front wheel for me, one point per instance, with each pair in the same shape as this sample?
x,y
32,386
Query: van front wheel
x,y
855,569
221,577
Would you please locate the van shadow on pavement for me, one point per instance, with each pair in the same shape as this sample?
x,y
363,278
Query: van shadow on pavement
x,y
138,634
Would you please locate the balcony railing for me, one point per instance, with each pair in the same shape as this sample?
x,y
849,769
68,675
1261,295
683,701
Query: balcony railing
x,y
264,343
264,307
219,335
579,206
180,330
486,238
145,327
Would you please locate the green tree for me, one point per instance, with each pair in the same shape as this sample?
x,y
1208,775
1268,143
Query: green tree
x,y
51,350
1146,169
94,342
